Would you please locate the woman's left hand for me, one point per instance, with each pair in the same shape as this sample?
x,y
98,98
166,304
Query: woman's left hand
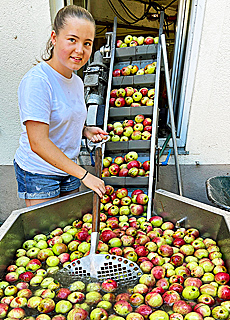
x,y
95,134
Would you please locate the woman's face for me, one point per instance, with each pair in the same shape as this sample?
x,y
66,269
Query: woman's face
x,y
72,46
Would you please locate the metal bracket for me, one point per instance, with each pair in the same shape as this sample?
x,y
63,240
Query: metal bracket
x,y
106,50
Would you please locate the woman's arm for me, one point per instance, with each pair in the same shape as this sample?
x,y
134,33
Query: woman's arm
x,y
38,134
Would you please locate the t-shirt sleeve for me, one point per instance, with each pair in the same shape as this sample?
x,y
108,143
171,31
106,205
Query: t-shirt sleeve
x,y
35,99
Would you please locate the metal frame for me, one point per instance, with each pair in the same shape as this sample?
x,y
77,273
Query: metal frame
x,y
171,113
113,49
154,139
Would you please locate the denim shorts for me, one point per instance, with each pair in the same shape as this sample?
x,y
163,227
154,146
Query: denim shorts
x,y
41,186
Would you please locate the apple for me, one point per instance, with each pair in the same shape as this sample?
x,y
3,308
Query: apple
x,y
142,198
124,138
120,102
133,43
144,91
26,276
147,122
125,71
119,160
220,312
114,169
16,313
138,127
133,164
203,309
128,101
109,285
224,292
222,278
47,305
133,172
193,282
146,166
127,131
137,96
158,272
176,287
129,91
113,93
165,250
123,172
150,103
144,100
182,307
136,135
121,93
135,104
149,40
128,39
153,299
122,307
134,69
145,135
116,73
151,93
170,297
140,72
191,292
128,123
208,289
3,310
149,68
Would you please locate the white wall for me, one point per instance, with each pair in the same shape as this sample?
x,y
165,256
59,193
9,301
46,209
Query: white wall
x,y
209,123
25,28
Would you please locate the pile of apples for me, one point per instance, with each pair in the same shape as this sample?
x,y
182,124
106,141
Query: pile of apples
x,y
133,41
184,276
125,166
132,70
131,97
138,129
115,203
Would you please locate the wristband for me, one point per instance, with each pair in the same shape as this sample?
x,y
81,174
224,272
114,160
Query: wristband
x,y
84,176
84,131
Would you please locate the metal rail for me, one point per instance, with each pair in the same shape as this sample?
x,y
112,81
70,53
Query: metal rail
x,y
113,49
154,139
171,113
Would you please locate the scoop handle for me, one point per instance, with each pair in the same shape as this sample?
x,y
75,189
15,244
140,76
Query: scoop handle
x,y
96,198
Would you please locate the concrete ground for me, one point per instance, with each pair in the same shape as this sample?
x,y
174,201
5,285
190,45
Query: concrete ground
x,y
193,179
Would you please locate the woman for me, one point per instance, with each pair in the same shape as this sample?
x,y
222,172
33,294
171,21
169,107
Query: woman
x,y
53,113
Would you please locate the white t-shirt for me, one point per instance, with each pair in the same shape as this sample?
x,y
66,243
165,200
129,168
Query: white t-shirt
x,y
45,95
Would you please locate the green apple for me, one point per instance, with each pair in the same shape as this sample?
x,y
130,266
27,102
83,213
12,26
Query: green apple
x,y
159,315
191,292
63,306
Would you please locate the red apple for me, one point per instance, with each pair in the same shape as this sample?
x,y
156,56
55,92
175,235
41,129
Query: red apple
x,y
116,73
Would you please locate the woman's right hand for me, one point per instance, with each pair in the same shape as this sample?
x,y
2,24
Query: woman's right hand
x,y
95,184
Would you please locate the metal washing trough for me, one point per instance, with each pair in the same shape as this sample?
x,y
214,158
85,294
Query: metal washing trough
x,y
25,223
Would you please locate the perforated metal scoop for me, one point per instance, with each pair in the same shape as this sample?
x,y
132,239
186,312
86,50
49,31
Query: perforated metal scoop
x,y
102,266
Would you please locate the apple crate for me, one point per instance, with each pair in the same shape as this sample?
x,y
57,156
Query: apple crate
x,y
135,80
25,223
127,181
129,112
138,145
137,53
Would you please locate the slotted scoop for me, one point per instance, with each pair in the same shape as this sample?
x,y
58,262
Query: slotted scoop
x,y
102,266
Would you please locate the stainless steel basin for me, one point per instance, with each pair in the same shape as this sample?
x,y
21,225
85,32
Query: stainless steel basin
x,y
25,223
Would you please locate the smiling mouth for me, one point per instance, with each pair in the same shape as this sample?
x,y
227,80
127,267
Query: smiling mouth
x,y
76,59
